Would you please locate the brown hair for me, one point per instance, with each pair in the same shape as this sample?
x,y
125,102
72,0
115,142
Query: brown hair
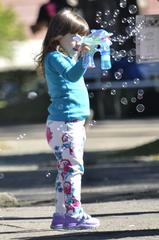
x,y
65,21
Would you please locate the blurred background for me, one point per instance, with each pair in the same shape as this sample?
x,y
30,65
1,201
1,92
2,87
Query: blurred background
x,y
128,90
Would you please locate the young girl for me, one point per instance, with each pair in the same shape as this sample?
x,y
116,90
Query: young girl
x,y
61,60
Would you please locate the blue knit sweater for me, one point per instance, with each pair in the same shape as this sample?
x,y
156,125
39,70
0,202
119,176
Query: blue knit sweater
x,y
66,87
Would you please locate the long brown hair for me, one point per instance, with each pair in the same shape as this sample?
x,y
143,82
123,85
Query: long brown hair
x,y
65,21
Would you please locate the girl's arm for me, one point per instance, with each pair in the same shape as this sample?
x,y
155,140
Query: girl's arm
x,y
61,65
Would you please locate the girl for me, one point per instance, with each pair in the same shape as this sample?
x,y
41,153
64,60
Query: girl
x,y
61,61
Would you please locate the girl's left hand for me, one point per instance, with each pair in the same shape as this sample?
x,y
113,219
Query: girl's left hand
x,y
83,49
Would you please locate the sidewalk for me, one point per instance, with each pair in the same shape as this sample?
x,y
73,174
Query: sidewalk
x,y
124,195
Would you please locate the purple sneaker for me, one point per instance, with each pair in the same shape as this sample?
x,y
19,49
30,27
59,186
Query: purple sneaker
x,y
83,222
57,221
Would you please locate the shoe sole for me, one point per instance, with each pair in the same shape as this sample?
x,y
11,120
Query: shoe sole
x,y
80,227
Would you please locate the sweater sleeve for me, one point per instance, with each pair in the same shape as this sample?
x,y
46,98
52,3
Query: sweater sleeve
x,y
61,65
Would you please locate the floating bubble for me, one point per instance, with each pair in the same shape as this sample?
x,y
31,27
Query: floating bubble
x,y
122,53
136,81
124,84
140,108
48,175
104,24
108,85
92,123
130,59
132,9
124,101
118,75
98,13
21,136
91,95
107,12
123,3
32,95
116,13
132,52
133,99
140,92
113,92
1,176
98,20
124,20
112,22
105,73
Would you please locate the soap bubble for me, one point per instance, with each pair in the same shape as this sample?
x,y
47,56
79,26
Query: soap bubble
x,y
124,84
123,3
107,12
136,81
122,53
112,22
108,85
133,99
140,108
91,95
32,95
104,24
116,13
1,176
124,101
132,9
130,59
118,75
113,92
21,136
48,175
124,20
132,52
92,123
105,73
140,92
98,13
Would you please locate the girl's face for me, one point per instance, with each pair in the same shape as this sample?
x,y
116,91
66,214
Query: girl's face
x,y
69,44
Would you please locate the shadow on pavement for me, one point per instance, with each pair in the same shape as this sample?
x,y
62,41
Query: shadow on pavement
x,y
100,235
104,172
93,215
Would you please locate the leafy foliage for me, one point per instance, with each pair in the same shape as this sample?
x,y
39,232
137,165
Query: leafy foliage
x,y
10,29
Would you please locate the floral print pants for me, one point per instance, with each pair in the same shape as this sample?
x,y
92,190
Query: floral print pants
x,y
66,139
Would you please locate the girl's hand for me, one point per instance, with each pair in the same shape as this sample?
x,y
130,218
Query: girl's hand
x,y
83,49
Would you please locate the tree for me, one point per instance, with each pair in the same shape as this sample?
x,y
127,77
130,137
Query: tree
x,y
10,30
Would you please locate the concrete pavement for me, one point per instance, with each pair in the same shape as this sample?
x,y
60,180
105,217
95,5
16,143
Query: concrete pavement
x,y
123,194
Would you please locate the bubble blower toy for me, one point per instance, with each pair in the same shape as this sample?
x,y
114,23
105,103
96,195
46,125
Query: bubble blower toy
x,y
98,41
